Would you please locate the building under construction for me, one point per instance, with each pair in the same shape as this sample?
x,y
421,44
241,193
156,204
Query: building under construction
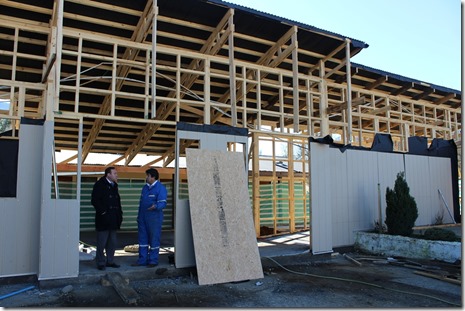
x,y
139,82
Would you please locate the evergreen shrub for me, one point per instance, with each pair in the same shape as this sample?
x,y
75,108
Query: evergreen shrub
x,y
401,208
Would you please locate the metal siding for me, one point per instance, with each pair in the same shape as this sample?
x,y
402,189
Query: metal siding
x,y
321,196
418,179
389,165
59,239
339,189
362,183
441,178
344,193
59,223
11,216
184,241
20,215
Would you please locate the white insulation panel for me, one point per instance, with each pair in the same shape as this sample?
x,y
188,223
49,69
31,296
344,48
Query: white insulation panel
x,y
348,191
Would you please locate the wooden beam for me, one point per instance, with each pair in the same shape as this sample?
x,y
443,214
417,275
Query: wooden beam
x,y
64,167
444,99
187,80
424,94
438,277
380,110
403,89
142,28
355,102
376,83
341,64
266,58
342,78
327,57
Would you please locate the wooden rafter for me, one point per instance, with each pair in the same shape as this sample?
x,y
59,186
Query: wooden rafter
x,y
211,47
403,89
267,58
444,99
143,27
329,56
376,83
339,108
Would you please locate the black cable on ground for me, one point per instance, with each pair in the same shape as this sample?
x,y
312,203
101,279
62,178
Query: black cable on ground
x,y
361,282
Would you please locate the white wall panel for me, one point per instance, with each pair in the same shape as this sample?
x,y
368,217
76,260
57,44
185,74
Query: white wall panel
x,y
59,248
389,165
322,158
12,219
19,241
440,178
362,191
59,223
344,191
418,179
183,240
339,193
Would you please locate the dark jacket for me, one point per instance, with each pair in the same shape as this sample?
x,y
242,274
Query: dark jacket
x,y
107,204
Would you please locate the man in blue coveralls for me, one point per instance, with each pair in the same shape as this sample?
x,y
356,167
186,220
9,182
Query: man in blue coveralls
x,y
150,219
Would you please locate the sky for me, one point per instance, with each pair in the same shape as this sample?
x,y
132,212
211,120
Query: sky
x,y
418,39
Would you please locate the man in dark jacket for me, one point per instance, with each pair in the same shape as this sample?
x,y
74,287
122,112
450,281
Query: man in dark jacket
x,y
108,217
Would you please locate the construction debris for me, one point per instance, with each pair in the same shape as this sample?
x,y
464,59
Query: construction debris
x,y
132,248
439,277
353,260
445,272
121,285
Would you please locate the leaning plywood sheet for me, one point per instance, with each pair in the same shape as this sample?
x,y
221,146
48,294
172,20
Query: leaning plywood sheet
x,y
222,224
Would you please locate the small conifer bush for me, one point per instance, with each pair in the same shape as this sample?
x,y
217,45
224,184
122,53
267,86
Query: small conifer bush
x,y
401,208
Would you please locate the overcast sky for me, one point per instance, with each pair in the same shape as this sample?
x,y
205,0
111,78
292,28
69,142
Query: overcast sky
x,y
418,39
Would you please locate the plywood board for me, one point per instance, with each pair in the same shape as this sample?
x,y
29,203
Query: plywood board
x,y
225,245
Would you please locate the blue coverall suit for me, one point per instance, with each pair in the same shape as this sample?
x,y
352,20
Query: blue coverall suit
x,y
149,222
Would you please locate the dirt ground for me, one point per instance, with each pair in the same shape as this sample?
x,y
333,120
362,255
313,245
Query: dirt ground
x,y
303,280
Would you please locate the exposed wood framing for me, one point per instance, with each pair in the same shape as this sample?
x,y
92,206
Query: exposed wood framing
x,y
211,47
140,33
234,68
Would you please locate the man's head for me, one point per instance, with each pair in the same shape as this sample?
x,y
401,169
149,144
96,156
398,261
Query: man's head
x,y
152,175
111,174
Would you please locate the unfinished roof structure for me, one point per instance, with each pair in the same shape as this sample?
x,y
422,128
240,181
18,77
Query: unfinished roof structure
x,y
216,63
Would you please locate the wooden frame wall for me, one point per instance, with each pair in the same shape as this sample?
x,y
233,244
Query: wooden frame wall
x,y
306,104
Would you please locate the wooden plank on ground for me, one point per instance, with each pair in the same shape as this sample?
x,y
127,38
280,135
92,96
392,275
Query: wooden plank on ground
x,y
127,293
439,277
358,263
223,231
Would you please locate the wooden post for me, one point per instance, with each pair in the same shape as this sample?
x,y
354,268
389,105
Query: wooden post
x,y
232,71
349,93
295,80
256,183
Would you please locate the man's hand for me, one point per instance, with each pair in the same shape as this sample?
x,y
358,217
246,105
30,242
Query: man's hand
x,y
152,208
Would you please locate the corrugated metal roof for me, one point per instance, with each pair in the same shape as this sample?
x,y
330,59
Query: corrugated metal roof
x,y
355,42
405,79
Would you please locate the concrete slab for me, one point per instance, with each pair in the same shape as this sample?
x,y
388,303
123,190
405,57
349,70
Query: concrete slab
x,y
284,247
